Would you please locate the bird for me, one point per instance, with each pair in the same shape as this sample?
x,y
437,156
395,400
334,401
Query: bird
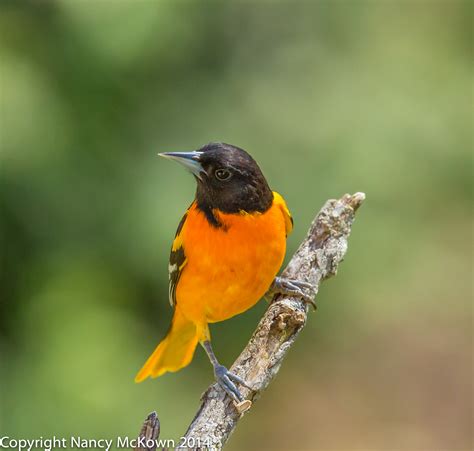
x,y
226,254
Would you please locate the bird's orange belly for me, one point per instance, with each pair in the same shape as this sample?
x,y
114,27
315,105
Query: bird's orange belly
x,y
230,268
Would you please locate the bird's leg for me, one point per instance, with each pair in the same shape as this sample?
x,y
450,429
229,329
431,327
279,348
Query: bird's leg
x,y
290,287
224,377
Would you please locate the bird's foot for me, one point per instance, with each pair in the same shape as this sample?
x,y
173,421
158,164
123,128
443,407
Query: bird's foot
x,y
290,287
227,381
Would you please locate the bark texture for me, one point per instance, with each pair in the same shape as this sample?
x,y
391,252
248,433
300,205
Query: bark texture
x,y
147,440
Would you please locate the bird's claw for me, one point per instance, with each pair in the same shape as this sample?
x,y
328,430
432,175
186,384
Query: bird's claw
x,y
226,380
290,287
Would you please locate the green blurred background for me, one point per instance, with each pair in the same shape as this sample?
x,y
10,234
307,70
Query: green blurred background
x,y
329,97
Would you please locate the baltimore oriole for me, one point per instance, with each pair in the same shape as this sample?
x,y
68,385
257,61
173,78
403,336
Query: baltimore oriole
x,y
227,251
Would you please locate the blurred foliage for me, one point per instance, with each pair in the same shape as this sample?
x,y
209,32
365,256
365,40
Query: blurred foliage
x,y
329,97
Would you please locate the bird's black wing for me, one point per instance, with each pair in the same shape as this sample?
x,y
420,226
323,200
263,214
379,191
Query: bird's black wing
x,y
177,261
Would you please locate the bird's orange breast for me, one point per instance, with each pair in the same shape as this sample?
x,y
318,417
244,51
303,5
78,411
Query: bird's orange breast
x,y
229,268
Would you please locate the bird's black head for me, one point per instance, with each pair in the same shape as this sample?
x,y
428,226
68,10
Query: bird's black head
x,y
228,179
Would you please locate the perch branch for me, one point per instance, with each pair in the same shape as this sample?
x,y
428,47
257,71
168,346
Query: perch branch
x,y
316,259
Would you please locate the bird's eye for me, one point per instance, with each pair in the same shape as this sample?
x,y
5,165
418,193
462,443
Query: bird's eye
x,y
222,174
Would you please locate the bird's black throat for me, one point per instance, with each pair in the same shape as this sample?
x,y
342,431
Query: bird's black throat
x,y
251,198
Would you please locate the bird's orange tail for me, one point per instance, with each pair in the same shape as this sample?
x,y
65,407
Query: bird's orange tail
x,y
175,351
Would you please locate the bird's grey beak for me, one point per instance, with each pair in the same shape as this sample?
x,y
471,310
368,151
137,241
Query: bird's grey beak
x,y
190,160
